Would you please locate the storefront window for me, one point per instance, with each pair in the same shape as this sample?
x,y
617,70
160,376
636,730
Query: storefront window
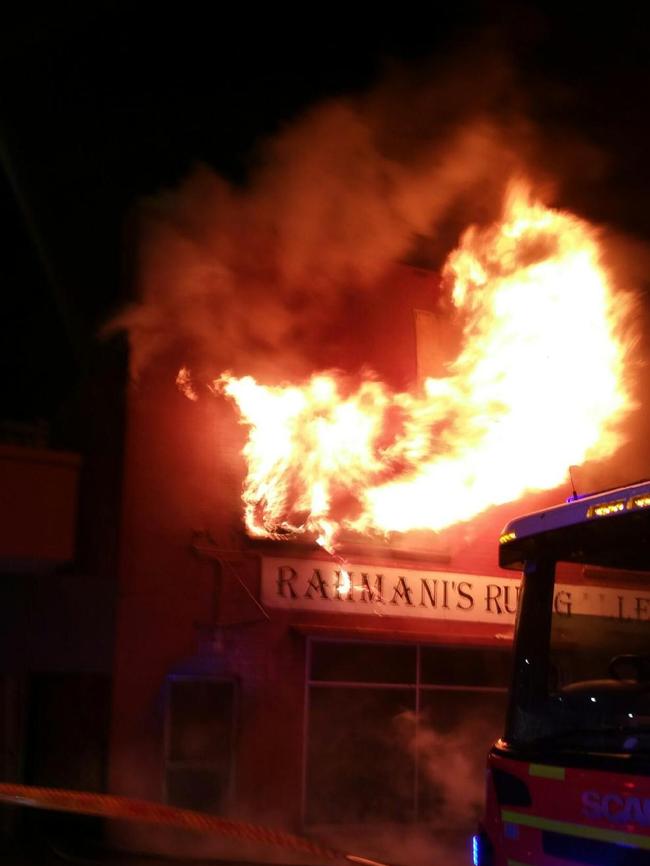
x,y
363,663
355,773
399,733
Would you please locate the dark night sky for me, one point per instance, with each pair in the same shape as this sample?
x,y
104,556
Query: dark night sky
x,y
103,102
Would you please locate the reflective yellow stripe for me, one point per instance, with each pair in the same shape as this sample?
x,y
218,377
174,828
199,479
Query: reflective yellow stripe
x,y
582,830
546,771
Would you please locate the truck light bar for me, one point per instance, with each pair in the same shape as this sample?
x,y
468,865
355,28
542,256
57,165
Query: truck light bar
x,y
605,508
606,503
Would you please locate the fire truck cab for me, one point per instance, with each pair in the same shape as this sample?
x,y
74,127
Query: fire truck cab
x,y
569,781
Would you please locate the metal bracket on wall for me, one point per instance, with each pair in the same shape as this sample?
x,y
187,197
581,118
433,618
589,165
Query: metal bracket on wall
x,y
225,563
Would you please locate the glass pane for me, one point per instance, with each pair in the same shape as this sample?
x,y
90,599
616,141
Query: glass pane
x,y
358,767
583,665
200,718
455,732
463,666
362,663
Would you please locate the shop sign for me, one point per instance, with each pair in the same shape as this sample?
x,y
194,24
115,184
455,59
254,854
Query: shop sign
x,y
312,584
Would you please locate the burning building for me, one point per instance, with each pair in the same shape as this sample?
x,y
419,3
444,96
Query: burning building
x,y
329,652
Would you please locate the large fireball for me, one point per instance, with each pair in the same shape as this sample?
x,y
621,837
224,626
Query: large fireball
x,y
538,386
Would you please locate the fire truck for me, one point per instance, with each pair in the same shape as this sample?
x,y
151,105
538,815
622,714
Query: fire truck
x,y
569,781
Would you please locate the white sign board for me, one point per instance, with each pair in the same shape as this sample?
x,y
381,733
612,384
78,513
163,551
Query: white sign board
x,y
313,584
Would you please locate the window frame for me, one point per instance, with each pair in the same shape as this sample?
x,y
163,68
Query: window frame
x,y
216,766
417,685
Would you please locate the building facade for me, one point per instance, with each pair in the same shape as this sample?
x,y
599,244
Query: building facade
x,y
246,683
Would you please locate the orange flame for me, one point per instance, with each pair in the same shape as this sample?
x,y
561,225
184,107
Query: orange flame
x,y
538,386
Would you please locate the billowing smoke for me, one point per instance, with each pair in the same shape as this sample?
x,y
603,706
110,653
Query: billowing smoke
x,y
271,278
452,765
442,748
247,278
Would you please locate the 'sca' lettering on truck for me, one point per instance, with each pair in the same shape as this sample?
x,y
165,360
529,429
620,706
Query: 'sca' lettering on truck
x,y
569,781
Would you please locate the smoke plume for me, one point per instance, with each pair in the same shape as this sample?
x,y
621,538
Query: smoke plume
x,y
257,278
241,276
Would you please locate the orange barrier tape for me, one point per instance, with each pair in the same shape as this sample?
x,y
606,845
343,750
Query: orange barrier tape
x,y
112,806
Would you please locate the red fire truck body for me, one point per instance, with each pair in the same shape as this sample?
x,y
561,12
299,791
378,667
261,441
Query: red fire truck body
x,y
569,782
